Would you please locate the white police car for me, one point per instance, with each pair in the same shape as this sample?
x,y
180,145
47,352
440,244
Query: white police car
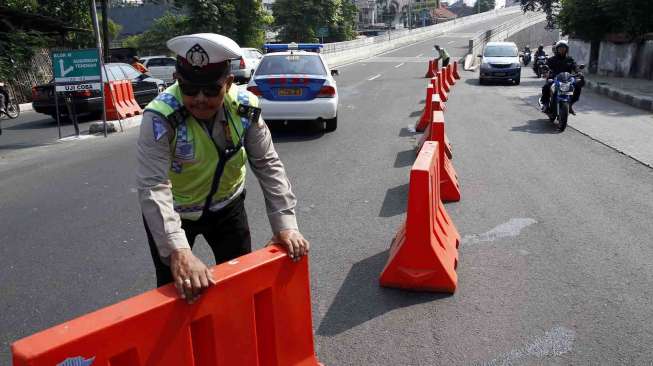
x,y
294,82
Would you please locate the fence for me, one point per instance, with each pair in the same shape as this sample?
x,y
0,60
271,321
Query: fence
x,y
38,72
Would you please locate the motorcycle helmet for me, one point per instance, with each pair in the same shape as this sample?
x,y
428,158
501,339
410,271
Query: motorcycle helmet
x,y
559,44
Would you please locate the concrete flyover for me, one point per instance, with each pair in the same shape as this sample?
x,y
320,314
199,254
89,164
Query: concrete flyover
x,y
341,53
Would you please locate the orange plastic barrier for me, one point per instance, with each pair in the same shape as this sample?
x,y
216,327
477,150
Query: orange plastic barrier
x,y
430,71
259,313
442,75
456,75
450,79
114,109
130,99
449,186
122,98
439,85
424,253
427,112
437,115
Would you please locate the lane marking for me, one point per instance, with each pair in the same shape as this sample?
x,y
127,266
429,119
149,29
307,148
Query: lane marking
x,y
420,55
450,42
509,229
555,342
398,66
374,77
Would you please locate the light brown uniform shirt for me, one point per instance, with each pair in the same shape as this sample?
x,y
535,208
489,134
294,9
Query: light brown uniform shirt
x,y
155,189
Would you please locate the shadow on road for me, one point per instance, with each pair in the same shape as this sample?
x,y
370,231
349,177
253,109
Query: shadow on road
x,y
415,114
406,132
405,158
537,126
361,299
395,200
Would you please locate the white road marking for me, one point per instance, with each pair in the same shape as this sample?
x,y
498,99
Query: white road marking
x,y
555,342
450,42
374,77
420,55
73,138
398,66
509,229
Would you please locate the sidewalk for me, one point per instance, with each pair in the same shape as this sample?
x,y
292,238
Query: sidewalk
x,y
635,92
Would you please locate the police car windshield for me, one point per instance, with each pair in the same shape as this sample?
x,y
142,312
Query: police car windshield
x,y
501,51
291,64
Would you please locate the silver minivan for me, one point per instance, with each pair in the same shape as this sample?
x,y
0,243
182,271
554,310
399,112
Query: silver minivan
x,y
500,62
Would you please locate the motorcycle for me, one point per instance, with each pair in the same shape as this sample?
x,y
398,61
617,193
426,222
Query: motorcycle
x,y
562,89
526,58
11,110
540,61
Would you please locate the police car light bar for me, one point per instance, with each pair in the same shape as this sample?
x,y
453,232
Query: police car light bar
x,y
311,47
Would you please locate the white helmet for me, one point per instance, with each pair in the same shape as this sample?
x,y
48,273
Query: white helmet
x,y
562,43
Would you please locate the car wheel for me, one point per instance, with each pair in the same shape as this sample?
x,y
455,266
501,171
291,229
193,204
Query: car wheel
x,y
517,81
331,124
481,81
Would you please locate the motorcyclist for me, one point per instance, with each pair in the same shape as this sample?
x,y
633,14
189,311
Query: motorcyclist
x,y
527,49
540,51
561,62
4,99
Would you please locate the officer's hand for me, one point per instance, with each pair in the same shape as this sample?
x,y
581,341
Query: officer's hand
x,y
294,242
189,274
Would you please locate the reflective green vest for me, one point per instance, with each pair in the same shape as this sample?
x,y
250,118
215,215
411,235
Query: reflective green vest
x,y
198,168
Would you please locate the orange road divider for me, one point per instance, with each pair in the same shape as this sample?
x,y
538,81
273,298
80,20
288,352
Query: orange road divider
x,y
439,88
449,186
424,253
130,99
114,109
436,115
449,74
430,72
258,313
456,75
122,97
427,112
442,76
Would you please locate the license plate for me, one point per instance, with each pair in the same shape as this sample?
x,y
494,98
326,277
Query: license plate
x,y
290,92
499,74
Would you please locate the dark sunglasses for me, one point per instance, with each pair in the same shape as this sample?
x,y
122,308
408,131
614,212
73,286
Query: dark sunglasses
x,y
210,90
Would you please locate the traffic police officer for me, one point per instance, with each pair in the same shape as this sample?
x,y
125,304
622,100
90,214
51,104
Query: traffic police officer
x,y
194,141
442,55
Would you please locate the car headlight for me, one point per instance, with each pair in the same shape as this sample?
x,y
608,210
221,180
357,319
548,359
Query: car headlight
x,y
485,65
515,66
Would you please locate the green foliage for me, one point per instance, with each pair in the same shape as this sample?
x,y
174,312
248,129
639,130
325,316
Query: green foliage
x,y
299,21
153,41
485,5
594,19
244,21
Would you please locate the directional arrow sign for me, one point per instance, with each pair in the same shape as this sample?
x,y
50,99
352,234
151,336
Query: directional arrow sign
x,y
76,66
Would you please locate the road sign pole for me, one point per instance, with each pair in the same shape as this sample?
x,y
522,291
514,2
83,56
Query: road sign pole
x,y
98,41
56,107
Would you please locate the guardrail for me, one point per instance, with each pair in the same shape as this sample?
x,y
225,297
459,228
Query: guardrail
x,y
349,51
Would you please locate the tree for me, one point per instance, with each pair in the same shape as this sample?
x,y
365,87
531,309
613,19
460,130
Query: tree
x,y
485,5
592,20
300,21
243,21
154,39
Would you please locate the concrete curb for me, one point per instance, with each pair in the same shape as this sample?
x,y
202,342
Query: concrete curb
x,y
114,126
620,95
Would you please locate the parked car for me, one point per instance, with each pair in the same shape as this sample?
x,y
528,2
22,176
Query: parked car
x,y
243,68
145,88
294,82
160,67
500,62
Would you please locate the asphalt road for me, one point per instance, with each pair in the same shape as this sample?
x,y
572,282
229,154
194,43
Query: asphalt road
x,y
555,265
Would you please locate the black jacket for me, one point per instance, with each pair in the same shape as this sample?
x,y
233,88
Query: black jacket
x,y
540,53
558,64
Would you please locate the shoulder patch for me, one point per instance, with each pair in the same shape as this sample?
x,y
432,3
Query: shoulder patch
x,y
158,127
249,113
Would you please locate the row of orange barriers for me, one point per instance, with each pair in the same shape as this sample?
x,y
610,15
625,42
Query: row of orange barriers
x,y
424,252
119,100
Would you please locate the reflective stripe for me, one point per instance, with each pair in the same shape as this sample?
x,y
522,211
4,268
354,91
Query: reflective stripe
x,y
170,100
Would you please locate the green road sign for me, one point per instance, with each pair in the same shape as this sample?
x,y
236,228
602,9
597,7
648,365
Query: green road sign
x,y
323,32
76,66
